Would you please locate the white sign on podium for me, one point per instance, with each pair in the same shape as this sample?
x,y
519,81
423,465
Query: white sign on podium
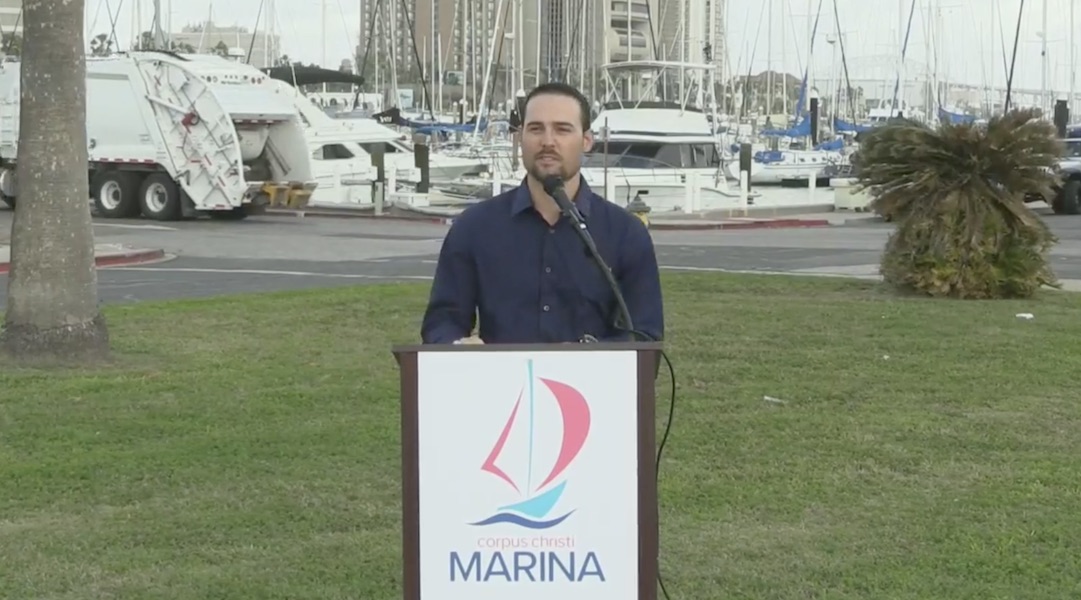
x,y
528,475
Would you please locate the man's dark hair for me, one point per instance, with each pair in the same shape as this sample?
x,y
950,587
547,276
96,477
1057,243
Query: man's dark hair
x,y
557,88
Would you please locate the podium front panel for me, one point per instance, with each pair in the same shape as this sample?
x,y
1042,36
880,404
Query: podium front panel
x,y
528,475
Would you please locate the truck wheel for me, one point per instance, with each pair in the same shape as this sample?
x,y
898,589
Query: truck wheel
x,y
1069,202
159,198
8,189
114,194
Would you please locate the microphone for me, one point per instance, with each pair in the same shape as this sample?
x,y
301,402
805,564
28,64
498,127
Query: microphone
x,y
553,186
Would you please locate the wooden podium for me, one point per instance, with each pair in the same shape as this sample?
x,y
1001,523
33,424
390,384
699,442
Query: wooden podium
x,y
528,471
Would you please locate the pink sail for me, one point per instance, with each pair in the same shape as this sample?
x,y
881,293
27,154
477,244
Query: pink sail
x,y
575,412
489,463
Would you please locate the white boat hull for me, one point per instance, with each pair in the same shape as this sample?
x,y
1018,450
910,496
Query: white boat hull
x,y
775,173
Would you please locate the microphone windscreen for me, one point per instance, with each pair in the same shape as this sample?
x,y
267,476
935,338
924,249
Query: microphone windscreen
x,y
551,183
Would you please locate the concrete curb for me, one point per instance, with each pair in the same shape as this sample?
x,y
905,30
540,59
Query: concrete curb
x,y
758,224
133,257
656,225
340,214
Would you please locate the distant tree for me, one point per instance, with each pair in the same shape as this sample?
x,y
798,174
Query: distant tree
x,y
957,194
101,45
147,41
52,309
12,44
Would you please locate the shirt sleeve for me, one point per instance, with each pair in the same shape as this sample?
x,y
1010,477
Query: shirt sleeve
x,y
452,304
640,281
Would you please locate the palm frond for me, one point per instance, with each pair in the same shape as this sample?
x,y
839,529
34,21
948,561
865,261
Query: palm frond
x,y
907,163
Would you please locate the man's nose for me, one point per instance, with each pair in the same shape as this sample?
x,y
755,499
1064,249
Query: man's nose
x,y
547,138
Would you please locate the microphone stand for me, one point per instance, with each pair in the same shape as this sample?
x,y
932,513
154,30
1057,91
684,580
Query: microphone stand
x,y
571,212
624,313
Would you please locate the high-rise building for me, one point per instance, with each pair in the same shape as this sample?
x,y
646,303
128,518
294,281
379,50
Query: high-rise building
x,y
386,38
633,30
560,39
565,40
702,22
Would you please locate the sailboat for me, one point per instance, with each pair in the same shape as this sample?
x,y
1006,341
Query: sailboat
x,y
538,395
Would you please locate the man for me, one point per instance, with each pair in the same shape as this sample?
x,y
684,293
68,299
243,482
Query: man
x,y
523,267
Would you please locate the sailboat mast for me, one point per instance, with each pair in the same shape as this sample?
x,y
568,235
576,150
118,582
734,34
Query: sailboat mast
x,y
812,16
496,32
463,61
1044,104
1073,54
521,45
269,20
769,59
433,72
682,33
512,75
439,85
392,21
538,30
582,28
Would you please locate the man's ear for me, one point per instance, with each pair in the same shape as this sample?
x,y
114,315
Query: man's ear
x,y
587,142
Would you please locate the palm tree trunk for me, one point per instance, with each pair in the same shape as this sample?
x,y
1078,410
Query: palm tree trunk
x,y
52,312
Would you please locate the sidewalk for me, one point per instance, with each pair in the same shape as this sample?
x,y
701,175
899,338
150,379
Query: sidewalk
x,y
755,218
105,255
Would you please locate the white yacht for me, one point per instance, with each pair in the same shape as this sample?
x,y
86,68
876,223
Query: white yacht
x,y
648,147
397,148
650,150
343,148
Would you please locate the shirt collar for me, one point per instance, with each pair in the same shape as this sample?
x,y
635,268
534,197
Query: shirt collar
x,y
522,201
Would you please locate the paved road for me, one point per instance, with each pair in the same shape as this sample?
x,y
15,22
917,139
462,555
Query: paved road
x,y
277,253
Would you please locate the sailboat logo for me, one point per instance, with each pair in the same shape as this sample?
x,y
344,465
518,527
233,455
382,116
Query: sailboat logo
x,y
534,511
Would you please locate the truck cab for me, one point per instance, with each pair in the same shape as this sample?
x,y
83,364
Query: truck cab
x,y
1067,199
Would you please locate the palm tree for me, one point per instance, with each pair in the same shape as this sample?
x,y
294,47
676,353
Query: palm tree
x,y
52,311
101,45
957,194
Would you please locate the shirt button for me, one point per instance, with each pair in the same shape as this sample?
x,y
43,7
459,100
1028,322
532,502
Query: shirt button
x,y
545,309
547,269
551,230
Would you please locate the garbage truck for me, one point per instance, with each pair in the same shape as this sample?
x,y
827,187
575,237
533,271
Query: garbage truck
x,y
174,136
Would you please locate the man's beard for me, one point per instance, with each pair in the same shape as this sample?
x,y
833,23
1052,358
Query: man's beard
x,y
565,173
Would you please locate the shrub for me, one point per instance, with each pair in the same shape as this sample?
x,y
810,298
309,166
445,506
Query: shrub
x,y
956,193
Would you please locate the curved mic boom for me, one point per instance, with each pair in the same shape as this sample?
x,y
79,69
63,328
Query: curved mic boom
x,y
553,186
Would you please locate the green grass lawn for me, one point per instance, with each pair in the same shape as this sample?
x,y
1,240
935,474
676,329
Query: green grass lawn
x,y
247,448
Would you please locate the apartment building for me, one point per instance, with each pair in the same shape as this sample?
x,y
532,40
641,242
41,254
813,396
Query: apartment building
x,y
565,40
703,22
560,39
386,36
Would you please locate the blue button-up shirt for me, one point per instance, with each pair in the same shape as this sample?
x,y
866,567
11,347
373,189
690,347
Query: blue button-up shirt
x,y
529,282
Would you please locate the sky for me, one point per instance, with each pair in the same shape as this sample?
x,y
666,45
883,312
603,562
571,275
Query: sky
x,y
970,48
